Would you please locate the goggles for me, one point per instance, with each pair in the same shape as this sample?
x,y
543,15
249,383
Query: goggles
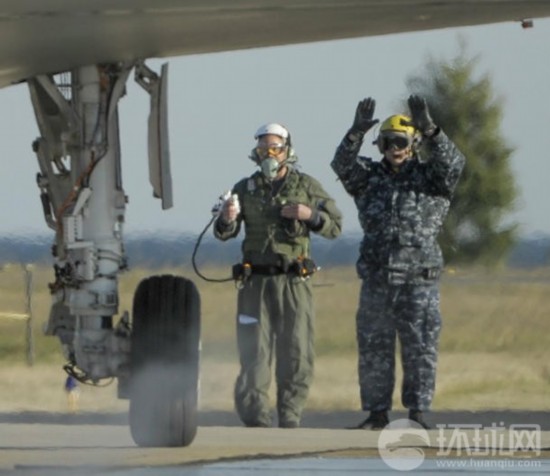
x,y
270,150
395,141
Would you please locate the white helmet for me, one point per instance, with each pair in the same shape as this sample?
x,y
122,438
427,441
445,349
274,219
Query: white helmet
x,y
273,128
278,130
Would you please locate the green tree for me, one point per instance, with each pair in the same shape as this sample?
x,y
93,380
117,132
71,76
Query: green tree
x,y
465,106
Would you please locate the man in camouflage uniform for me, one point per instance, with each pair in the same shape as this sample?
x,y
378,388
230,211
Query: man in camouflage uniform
x,y
401,201
279,207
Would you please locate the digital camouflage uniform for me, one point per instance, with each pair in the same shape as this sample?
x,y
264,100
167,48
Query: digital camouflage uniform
x,y
275,309
400,261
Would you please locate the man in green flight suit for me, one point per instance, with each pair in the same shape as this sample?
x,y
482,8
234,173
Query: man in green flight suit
x,y
279,207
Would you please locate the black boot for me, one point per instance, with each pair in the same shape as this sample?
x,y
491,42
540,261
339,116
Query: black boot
x,y
377,420
418,417
256,424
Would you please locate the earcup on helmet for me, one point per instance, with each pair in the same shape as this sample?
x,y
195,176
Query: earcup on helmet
x,y
379,143
254,157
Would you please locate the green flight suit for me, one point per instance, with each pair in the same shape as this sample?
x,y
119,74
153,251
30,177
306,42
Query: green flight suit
x,y
275,309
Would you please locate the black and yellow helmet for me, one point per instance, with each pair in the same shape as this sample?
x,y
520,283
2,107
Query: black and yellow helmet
x,y
399,131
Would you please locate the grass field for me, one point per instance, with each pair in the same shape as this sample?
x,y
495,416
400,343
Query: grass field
x,y
494,351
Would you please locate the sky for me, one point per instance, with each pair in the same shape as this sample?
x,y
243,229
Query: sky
x,y
217,101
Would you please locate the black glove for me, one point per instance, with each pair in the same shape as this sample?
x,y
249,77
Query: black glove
x,y
420,116
363,116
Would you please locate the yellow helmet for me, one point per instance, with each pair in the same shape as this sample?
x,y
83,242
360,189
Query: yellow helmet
x,y
400,127
398,123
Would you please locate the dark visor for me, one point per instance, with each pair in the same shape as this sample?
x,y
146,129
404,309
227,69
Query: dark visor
x,y
395,141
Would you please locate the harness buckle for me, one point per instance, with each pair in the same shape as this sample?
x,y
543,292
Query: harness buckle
x,y
430,273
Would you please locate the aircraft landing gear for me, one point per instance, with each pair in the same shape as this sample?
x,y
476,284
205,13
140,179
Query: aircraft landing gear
x,y
155,358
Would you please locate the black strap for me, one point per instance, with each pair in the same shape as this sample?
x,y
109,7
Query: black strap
x,y
426,273
268,270
304,267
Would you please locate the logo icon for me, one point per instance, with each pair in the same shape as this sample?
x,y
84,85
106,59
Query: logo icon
x,y
401,444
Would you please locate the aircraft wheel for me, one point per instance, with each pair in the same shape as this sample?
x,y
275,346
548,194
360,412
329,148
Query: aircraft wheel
x,y
165,345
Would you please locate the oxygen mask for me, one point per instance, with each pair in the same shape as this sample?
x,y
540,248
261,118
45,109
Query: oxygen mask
x,y
268,154
270,167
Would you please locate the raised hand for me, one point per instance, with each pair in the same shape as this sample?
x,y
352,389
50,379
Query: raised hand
x,y
421,116
364,116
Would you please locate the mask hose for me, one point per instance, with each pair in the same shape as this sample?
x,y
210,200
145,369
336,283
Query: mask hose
x,y
194,255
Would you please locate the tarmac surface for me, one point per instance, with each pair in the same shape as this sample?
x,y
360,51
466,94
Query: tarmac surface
x,y
36,443
311,419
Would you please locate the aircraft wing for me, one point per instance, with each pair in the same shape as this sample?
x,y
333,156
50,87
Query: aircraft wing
x,y
48,36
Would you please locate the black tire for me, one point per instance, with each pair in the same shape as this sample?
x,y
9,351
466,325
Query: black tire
x,y
164,375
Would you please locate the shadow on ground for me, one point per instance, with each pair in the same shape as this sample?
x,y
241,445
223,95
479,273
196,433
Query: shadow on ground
x,y
311,419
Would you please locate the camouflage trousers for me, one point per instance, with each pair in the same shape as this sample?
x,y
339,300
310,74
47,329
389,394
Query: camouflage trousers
x,y
275,315
386,312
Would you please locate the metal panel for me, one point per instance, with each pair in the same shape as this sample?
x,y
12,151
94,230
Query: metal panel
x,y
159,147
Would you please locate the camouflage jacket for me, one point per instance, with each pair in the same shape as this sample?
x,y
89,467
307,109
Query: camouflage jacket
x,y
267,234
401,213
